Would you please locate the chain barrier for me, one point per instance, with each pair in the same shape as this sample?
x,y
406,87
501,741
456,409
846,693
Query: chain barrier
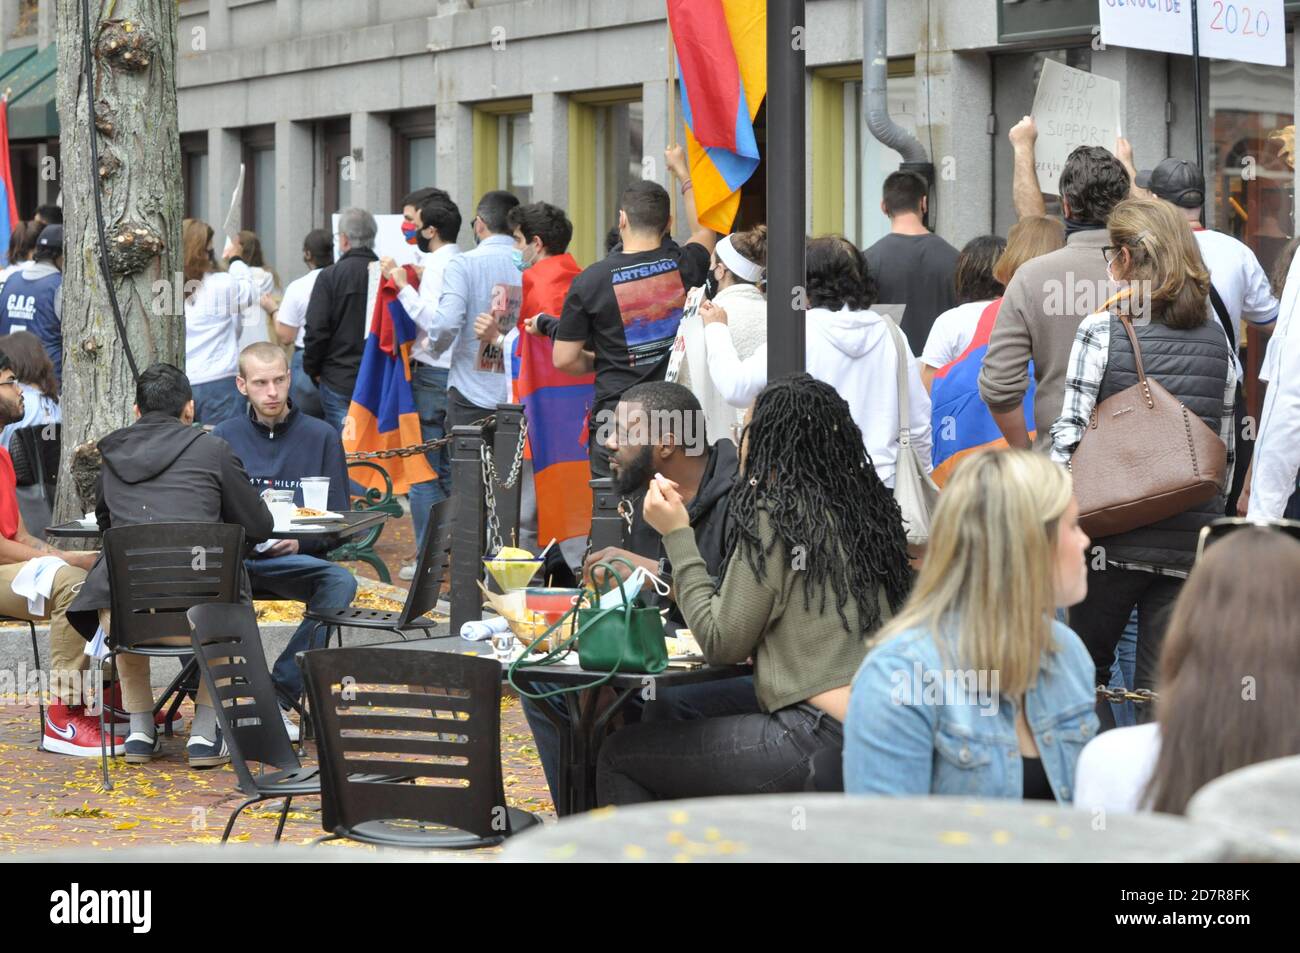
x,y
1117,696
487,423
491,479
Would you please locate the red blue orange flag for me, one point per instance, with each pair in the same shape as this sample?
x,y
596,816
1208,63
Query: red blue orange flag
x,y
8,201
722,57
961,422
383,414
557,406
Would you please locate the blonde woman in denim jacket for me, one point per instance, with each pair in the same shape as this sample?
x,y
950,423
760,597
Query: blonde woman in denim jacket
x,y
973,689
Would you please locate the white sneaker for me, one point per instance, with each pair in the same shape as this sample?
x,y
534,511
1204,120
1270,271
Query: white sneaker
x,y
407,572
289,726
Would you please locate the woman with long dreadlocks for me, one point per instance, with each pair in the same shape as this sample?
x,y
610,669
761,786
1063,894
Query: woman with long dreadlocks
x,y
817,561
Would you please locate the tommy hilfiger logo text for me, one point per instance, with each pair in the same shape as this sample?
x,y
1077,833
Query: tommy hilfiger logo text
x,y
77,906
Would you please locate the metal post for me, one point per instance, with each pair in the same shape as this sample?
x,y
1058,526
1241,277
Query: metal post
x,y
468,529
1196,95
786,206
509,422
606,525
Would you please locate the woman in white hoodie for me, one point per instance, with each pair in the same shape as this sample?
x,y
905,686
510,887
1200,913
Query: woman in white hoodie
x,y
734,284
847,345
214,305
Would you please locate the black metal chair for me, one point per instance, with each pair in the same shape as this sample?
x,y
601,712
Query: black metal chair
x,y
36,659
420,598
228,649
434,717
158,572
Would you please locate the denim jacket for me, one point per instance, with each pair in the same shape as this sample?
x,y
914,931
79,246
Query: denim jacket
x,y
915,727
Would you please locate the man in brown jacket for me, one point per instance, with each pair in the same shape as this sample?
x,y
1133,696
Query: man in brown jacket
x,y
1049,296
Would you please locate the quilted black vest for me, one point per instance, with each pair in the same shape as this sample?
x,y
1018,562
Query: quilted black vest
x,y
1193,366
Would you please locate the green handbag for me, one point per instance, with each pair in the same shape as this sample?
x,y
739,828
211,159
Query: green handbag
x,y
625,639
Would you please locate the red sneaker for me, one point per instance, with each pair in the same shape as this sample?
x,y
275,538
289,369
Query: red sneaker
x,y
69,730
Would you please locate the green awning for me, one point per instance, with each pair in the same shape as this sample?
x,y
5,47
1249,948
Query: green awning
x,y
10,61
33,95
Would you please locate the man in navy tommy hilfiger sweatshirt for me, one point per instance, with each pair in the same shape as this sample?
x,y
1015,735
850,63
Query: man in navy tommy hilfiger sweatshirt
x,y
278,447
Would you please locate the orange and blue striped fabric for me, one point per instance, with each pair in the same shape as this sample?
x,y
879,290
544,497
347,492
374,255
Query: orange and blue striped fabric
x,y
557,406
722,60
961,422
383,414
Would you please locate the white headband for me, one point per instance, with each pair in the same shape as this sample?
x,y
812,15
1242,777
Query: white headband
x,y
739,265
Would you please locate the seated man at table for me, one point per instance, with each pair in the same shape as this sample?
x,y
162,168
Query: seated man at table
x,y
68,729
279,446
658,427
163,469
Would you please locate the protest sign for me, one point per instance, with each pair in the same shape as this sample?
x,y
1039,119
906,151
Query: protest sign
x,y
1072,108
1252,32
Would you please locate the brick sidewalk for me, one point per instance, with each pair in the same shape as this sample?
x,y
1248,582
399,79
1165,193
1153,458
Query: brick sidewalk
x,y
51,802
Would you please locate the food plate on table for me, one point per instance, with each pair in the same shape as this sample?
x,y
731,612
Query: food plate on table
x,y
305,514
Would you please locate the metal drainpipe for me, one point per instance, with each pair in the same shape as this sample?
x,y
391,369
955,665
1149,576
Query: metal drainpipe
x,y
875,101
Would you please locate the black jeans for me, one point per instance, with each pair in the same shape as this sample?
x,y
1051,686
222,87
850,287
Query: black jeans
x,y
795,749
461,413
1100,619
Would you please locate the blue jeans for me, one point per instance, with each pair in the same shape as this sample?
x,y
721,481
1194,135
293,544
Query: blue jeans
x,y
1122,671
429,385
335,406
731,696
316,582
305,396
215,401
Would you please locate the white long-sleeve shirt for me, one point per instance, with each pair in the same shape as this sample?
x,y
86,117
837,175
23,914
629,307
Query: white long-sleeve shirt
x,y
854,352
422,305
212,319
1277,445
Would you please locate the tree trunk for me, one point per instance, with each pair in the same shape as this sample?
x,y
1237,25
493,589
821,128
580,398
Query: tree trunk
x,y
139,178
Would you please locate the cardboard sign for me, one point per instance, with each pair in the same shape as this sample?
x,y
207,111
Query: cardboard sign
x,y
1251,32
506,302
1072,108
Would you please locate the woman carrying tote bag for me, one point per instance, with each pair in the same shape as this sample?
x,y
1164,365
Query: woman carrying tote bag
x,y
1157,336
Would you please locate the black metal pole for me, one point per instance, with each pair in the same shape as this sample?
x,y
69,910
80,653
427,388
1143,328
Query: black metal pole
x,y
606,524
1196,94
468,531
509,423
786,205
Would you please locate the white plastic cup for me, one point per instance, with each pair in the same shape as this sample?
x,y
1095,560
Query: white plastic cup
x,y
316,493
280,503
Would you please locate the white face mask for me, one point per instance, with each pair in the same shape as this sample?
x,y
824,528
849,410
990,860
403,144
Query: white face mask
x,y
635,583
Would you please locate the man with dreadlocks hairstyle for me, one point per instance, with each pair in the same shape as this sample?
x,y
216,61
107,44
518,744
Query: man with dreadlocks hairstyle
x,y
817,561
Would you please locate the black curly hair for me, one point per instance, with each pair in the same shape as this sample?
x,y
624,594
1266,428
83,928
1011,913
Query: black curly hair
x,y
548,221
1093,182
838,275
807,469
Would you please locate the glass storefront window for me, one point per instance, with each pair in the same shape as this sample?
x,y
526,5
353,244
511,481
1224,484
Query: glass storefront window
x,y
264,196
516,155
421,162
867,162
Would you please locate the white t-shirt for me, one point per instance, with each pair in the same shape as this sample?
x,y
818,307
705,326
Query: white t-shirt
x,y
293,309
1114,768
1240,280
253,327
212,321
952,333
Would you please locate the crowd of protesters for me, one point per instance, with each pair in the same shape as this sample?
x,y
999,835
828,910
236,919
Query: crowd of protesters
x,y
773,517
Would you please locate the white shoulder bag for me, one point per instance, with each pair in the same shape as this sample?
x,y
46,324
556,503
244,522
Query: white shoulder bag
x,y
914,491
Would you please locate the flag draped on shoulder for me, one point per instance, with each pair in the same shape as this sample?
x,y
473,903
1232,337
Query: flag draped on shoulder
x,y
722,56
961,422
383,414
557,406
8,201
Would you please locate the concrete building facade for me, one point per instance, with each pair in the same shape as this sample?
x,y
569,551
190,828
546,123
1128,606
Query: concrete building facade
x,y
335,102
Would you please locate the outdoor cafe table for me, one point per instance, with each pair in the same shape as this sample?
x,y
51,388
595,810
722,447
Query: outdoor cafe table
x,y
843,827
334,531
581,736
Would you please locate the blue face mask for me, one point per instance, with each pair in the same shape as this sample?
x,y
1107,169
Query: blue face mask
x,y
520,262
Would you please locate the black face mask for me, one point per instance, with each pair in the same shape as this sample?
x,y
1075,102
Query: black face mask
x,y
422,243
711,286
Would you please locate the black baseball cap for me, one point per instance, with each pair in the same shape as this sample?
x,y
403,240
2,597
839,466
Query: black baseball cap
x,y
1177,181
51,237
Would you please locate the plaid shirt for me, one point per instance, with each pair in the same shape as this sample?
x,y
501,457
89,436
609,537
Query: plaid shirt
x,y
1083,379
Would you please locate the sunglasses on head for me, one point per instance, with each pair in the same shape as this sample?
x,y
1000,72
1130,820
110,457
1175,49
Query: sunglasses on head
x,y
1222,527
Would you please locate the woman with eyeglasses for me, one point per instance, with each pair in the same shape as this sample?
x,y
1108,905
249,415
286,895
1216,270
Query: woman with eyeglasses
x,y
1162,285
1229,671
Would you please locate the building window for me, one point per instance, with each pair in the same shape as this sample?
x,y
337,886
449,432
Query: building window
x,y
259,184
336,141
515,158
194,171
606,150
415,154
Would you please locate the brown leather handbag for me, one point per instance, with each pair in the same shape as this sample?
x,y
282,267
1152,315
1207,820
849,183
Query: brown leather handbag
x,y
1144,458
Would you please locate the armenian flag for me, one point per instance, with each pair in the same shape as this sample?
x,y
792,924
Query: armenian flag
x,y
8,202
960,420
557,406
722,60
383,414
